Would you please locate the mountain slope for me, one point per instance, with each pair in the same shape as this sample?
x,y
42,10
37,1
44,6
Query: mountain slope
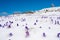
x,y
39,25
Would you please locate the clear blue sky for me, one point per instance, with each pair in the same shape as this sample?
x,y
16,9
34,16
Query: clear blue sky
x,y
11,6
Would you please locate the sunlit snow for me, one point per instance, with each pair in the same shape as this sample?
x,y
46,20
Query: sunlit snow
x,y
36,26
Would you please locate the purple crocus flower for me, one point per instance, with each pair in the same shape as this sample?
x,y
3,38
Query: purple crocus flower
x,y
17,24
34,23
0,25
27,33
44,35
10,34
58,23
26,28
58,35
36,20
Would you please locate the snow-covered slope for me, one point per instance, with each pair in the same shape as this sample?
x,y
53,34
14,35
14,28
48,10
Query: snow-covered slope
x,y
52,9
40,25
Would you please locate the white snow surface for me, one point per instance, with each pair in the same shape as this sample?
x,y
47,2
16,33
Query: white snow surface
x,y
45,20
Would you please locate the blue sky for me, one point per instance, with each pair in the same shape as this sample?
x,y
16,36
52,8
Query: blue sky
x,y
11,6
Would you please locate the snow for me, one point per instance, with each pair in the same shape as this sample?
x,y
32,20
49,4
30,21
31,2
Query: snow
x,y
51,9
46,28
